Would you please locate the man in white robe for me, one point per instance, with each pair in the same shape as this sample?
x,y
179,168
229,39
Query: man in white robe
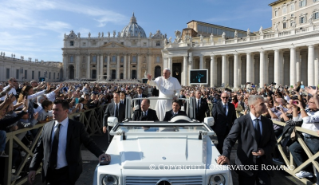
x,y
168,87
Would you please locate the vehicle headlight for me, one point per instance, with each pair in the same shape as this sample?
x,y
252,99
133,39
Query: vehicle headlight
x,y
109,180
217,180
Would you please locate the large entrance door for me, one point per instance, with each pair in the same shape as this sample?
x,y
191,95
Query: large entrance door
x,y
157,71
177,71
133,74
93,74
71,72
113,74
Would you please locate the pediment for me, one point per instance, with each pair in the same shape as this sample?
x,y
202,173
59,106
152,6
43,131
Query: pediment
x,y
113,45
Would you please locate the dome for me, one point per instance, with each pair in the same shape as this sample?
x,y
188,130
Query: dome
x,y
133,29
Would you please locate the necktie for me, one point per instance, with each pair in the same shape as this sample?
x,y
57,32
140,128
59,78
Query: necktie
x,y
144,113
116,111
54,150
225,109
257,130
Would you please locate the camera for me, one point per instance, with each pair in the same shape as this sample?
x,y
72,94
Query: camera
x,y
294,97
278,108
295,102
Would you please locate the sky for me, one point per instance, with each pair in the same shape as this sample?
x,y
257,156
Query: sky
x,y
35,28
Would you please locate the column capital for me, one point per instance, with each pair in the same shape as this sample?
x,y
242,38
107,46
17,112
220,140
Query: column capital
x,y
310,46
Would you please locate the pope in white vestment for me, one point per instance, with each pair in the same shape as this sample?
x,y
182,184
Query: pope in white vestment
x,y
168,87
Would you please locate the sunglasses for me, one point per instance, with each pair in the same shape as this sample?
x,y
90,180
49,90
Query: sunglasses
x,y
224,97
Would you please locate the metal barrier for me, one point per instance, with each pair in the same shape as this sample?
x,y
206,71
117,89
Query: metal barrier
x,y
92,120
290,162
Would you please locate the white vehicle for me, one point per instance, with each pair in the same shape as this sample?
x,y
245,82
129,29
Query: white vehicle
x,y
162,153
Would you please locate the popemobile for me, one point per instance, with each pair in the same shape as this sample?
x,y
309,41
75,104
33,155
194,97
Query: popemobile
x,y
179,151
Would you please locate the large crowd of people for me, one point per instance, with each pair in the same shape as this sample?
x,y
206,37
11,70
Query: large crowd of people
x,y
25,104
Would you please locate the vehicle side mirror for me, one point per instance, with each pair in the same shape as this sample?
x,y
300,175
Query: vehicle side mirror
x,y
112,121
209,121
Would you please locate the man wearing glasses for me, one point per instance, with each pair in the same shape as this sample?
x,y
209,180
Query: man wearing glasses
x,y
224,114
14,84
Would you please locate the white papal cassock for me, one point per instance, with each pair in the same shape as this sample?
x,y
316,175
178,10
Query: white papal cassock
x,y
167,89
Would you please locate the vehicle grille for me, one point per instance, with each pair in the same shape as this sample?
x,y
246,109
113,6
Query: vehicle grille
x,y
182,180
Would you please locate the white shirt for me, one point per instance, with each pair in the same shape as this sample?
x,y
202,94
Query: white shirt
x,y
253,117
311,122
51,96
61,161
12,91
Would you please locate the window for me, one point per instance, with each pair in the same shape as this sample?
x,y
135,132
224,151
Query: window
x,y
302,3
53,76
316,15
302,20
292,6
17,73
144,43
105,58
134,59
105,43
83,44
105,65
94,58
71,59
122,59
49,75
158,43
122,43
39,74
158,59
58,75
25,74
32,75
284,25
284,9
276,13
71,43
8,73
113,58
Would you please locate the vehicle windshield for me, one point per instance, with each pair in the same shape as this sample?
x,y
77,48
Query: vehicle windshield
x,y
164,128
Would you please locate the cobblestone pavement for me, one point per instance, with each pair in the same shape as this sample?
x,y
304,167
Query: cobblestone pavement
x,y
90,162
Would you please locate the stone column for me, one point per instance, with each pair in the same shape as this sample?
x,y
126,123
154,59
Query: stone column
x,y
213,71
65,66
185,71
138,58
109,76
316,67
118,61
262,69
311,66
77,60
201,63
149,64
277,67
88,68
281,71
299,59
249,67
101,67
190,64
129,67
236,70
125,67
170,64
225,70
97,67
292,66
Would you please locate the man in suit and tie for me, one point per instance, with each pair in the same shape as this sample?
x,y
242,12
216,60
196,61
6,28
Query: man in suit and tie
x,y
137,103
122,98
59,148
145,114
256,141
174,112
201,106
224,114
115,109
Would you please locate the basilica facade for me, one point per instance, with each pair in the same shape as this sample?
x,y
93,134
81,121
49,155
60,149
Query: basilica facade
x,y
128,54
286,53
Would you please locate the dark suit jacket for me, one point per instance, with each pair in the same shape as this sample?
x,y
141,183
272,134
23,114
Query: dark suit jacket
x,y
109,111
76,135
243,131
170,114
223,123
138,101
155,92
151,115
200,114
